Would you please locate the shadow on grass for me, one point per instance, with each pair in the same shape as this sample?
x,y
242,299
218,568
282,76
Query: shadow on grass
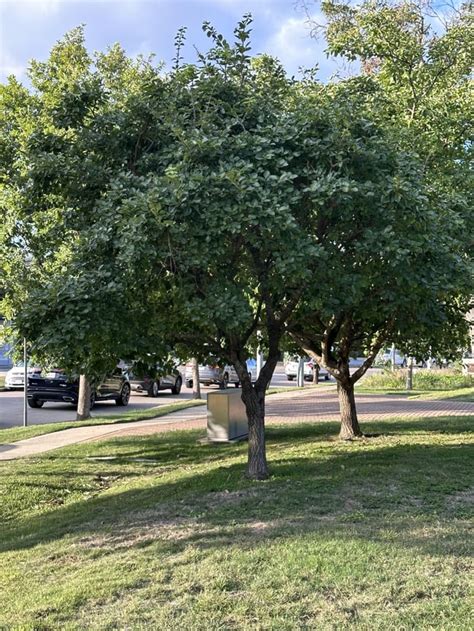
x,y
358,489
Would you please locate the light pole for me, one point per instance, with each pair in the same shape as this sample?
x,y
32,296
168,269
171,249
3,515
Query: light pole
x,y
300,381
25,386
409,379
259,355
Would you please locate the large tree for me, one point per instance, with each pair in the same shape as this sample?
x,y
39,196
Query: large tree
x,y
143,209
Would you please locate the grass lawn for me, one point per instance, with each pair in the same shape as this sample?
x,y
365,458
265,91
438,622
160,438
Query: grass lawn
x,y
160,532
458,394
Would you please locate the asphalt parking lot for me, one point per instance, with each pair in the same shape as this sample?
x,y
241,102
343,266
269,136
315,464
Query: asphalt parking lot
x,y
11,404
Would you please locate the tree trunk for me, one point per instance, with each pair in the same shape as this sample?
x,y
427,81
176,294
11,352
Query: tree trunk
x,y
349,423
253,397
84,400
316,373
196,384
254,401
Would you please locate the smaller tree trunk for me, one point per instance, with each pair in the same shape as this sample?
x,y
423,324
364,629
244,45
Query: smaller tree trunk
x,y
409,379
84,400
316,373
196,383
349,422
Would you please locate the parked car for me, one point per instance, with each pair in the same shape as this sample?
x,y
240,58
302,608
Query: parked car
x,y
386,356
15,377
468,364
219,375
152,384
58,387
356,362
291,368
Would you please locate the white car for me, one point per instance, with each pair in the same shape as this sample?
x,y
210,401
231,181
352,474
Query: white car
x,y
214,374
291,369
385,356
15,377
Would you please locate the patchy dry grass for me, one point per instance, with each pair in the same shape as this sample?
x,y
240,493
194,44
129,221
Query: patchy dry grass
x,y
160,532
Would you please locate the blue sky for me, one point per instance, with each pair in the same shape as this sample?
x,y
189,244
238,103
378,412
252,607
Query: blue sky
x,y
29,28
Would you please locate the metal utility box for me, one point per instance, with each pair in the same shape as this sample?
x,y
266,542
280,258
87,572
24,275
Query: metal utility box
x,y
226,416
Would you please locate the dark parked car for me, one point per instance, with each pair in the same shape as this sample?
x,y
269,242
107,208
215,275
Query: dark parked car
x,y
58,387
143,381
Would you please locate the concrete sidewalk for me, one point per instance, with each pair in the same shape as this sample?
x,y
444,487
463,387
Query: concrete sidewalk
x,y
308,405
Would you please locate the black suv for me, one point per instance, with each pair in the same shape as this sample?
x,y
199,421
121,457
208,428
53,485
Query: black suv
x,y
56,386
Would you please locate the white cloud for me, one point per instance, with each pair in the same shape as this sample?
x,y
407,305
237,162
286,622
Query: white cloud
x,y
293,45
31,7
9,65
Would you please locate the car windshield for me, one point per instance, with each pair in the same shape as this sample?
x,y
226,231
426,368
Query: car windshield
x,y
296,358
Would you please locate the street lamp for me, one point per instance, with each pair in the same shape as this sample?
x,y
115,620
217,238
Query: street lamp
x,y
25,385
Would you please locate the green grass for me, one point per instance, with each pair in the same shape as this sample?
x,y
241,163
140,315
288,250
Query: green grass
x,y
280,389
459,394
160,532
13,434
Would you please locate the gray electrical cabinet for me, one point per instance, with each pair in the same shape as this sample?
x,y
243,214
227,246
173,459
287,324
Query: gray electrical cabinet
x,y
226,416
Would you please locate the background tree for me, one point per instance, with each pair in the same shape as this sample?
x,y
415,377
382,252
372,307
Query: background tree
x,y
61,145
390,271
415,83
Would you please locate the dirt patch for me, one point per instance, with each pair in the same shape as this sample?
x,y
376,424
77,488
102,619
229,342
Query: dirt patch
x,y
226,498
461,499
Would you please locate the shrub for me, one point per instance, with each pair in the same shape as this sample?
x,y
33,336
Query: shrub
x,y
422,380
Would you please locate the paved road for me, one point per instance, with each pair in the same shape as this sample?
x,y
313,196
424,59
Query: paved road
x,y
11,404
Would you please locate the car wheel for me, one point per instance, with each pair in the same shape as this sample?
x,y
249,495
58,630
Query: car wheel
x,y
154,389
326,377
92,400
124,397
189,384
225,381
176,389
290,377
34,403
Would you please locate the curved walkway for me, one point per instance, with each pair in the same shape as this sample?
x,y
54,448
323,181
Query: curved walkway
x,y
310,405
